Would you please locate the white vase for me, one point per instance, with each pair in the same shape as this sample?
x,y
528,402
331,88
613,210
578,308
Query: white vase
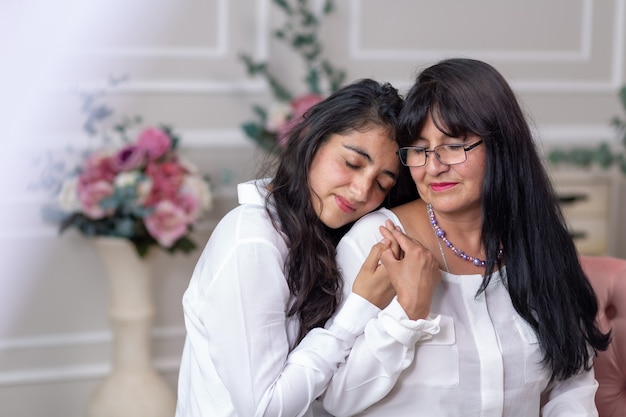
x,y
133,388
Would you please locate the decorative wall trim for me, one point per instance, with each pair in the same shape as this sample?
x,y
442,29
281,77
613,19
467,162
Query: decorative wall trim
x,y
37,376
582,55
94,370
218,51
184,86
191,139
574,135
80,339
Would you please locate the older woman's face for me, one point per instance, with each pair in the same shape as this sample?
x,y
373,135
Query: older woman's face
x,y
351,175
450,188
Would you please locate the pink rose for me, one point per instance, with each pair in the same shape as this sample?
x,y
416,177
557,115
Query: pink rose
x,y
97,167
299,106
90,196
190,205
167,179
129,158
167,223
155,142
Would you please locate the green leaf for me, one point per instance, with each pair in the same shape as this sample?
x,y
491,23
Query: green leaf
x,y
284,5
302,39
184,244
142,248
603,156
261,112
280,92
581,157
313,81
622,163
252,130
329,7
125,228
622,97
308,18
253,67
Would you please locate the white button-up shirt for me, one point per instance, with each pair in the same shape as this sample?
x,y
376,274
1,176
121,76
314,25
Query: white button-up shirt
x,y
484,360
236,360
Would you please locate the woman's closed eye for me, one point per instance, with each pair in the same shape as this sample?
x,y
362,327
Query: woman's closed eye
x,y
351,165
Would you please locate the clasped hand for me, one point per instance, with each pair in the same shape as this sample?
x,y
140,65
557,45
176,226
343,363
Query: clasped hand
x,y
399,265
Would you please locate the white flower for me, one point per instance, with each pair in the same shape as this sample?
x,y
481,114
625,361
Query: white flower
x,y
278,115
126,179
143,190
200,188
68,197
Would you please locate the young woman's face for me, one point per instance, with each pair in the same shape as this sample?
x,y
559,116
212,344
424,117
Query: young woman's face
x,y
450,188
351,175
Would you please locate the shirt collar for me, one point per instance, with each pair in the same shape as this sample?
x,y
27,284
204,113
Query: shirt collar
x,y
253,192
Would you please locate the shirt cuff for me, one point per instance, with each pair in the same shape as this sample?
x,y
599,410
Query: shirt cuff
x,y
406,331
352,317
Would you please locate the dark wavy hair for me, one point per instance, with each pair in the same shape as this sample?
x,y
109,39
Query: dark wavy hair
x,y
520,210
312,274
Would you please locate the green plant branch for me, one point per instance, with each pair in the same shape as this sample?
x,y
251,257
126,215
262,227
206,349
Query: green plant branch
x,y
300,32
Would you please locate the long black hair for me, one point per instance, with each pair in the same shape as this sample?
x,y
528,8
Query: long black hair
x,y
520,210
312,274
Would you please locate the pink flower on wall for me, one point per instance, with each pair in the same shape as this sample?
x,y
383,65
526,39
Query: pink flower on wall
x,y
299,107
142,192
167,223
167,178
154,142
90,197
190,204
98,167
129,158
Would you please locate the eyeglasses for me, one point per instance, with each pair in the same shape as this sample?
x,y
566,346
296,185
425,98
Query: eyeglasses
x,y
415,156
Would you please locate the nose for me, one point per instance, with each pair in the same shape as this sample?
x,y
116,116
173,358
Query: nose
x,y
433,165
361,188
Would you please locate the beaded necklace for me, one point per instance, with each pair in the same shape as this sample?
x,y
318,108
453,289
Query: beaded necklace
x,y
441,234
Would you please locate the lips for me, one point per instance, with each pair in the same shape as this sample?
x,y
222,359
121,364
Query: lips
x,y
344,205
442,186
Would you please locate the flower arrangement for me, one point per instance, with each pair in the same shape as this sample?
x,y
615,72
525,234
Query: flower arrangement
x,y
602,155
141,190
300,31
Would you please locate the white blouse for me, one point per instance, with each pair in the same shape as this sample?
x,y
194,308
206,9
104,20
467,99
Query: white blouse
x,y
236,359
482,360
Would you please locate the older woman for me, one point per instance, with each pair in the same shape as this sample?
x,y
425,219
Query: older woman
x,y
493,315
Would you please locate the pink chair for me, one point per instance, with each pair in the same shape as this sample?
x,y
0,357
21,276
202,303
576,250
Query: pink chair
x,y
608,278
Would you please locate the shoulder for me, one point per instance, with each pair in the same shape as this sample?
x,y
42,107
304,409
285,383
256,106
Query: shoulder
x,y
246,222
373,220
365,232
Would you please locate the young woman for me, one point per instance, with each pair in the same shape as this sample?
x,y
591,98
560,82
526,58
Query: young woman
x,y
493,315
268,280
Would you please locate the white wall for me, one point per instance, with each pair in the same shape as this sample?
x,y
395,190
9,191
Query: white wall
x,y
565,59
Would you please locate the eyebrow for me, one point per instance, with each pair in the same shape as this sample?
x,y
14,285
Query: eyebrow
x,y
367,156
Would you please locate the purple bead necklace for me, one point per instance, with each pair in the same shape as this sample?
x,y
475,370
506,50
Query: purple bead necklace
x,y
441,234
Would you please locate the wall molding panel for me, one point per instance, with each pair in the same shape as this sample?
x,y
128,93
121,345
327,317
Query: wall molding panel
x,y
583,54
37,346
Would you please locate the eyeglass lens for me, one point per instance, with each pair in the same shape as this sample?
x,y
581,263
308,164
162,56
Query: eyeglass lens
x,y
446,154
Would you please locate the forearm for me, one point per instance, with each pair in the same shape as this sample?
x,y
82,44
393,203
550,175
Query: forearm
x,y
312,363
376,360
